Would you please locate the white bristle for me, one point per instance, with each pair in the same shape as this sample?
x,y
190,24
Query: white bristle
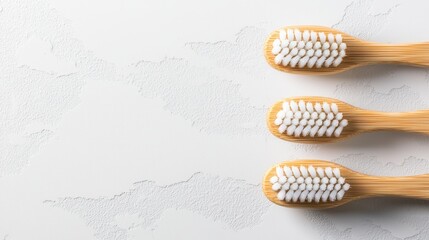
x,y
306,35
303,196
274,179
289,195
276,186
325,196
286,186
330,116
290,130
297,35
298,114
316,186
330,131
287,121
282,179
337,61
318,196
303,61
278,121
281,195
296,172
292,45
326,107
284,52
336,172
303,122
328,172
278,59
306,114
284,43
314,131
321,172
304,49
310,196
303,171
306,131
282,128
322,37
326,123
286,60
320,61
346,187
325,47
290,35
298,131
287,171
286,106
317,46
303,184
337,187
296,195
340,195
282,34
295,61
295,121
276,50
279,171
329,61
281,114
321,131
324,180
331,38
293,106
338,38
333,196
301,105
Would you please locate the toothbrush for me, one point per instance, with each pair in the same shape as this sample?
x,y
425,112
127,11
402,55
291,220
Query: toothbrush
x,y
322,50
320,120
323,184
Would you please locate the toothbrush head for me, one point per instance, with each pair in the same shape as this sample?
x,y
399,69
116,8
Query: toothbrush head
x,y
309,184
311,50
311,119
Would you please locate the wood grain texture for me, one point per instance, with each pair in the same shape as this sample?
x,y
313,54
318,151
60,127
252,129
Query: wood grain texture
x,y
359,121
358,53
362,186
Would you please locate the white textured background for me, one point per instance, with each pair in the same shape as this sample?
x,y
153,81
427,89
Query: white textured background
x,y
146,119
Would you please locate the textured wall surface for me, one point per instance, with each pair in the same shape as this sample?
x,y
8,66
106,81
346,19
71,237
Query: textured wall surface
x,y
146,120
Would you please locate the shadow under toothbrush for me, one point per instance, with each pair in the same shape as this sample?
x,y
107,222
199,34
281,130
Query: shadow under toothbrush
x,y
378,140
378,206
377,71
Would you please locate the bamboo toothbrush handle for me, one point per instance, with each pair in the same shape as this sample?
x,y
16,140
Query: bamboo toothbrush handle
x,y
410,186
417,121
412,54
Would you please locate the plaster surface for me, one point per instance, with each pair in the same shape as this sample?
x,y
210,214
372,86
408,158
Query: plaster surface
x,y
146,120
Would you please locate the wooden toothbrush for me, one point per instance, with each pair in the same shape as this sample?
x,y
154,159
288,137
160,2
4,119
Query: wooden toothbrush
x,y
323,50
321,120
323,184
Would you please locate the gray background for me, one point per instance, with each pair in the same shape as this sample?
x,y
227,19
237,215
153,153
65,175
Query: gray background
x,y
146,119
